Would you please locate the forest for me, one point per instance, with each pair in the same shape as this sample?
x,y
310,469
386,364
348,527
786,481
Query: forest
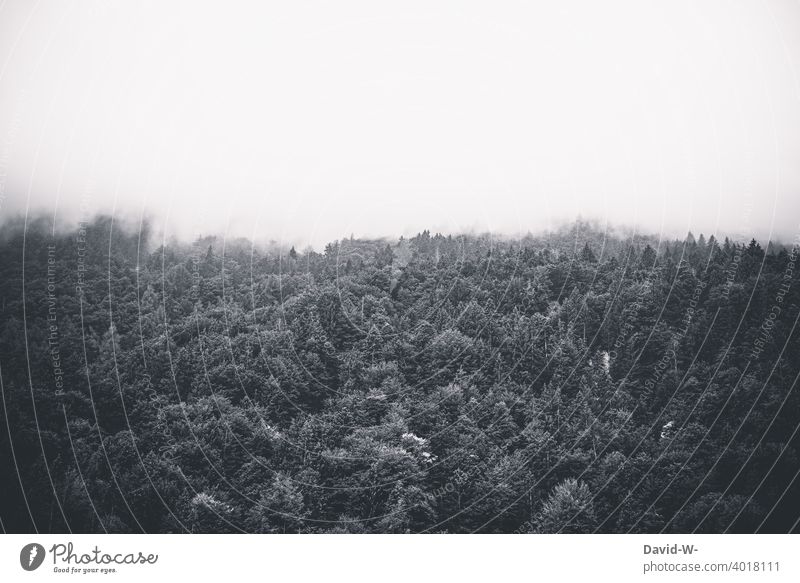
x,y
575,381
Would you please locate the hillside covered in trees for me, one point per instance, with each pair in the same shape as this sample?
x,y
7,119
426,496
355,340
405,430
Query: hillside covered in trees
x,y
571,382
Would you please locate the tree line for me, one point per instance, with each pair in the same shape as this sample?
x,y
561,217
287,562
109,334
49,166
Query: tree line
x,y
575,381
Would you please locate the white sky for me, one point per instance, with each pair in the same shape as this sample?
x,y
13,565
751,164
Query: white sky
x,y
306,121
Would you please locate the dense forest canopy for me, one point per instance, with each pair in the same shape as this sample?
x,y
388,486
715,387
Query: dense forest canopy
x,y
572,382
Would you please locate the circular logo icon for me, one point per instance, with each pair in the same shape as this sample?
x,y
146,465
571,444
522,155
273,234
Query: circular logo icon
x,y
31,556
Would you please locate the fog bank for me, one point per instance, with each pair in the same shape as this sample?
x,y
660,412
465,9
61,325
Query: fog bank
x,y
310,121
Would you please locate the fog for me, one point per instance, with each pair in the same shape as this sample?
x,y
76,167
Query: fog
x,y
308,121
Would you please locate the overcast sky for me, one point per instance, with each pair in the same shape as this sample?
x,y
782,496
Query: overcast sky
x,y
308,121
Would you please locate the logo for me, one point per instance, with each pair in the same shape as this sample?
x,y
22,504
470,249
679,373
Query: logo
x,y
31,556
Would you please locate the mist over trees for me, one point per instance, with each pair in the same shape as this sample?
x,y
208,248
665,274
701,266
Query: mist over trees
x,y
573,382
